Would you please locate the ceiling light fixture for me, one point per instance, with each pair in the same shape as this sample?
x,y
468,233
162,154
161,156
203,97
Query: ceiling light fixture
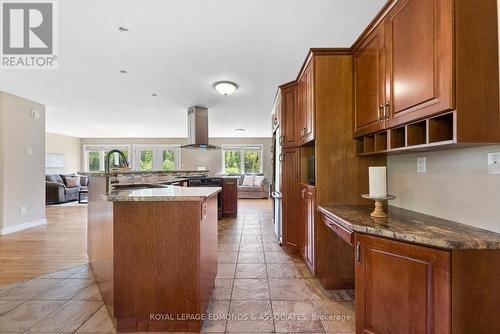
x,y
122,29
239,130
123,72
225,88
154,94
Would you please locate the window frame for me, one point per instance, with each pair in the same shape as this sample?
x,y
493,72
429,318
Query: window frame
x,y
157,155
101,148
243,148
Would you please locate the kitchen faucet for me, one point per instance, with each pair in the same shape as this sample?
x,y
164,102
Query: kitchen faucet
x,y
108,157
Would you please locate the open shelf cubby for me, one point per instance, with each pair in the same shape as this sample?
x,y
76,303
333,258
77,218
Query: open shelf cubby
x,y
416,133
441,128
398,137
381,141
369,144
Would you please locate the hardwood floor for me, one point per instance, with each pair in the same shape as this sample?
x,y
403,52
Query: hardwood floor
x,y
62,243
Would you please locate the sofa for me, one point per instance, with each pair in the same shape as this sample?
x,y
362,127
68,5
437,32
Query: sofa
x,y
249,188
62,188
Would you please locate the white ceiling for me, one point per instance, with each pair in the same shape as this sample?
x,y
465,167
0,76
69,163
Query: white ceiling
x,y
178,49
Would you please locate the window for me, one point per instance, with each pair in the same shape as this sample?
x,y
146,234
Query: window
x,y
157,157
245,159
94,156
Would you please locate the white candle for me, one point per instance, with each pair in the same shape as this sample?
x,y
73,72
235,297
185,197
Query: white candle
x,y
378,181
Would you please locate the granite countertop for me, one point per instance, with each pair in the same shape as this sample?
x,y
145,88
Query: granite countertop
x,y
414,227
167,193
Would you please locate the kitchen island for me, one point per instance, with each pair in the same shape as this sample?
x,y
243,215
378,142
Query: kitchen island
x,y
153,252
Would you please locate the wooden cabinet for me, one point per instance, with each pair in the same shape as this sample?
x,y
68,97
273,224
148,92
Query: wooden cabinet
x,y
369,84
289,185
306,121
307,210
230,198
289,115
404,67
401,288
419,48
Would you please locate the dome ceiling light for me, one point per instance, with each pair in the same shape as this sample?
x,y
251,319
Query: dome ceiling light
x,y
225,88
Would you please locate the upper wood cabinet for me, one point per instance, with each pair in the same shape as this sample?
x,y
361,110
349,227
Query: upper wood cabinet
x,y
306,121
369,83
401,288
419,48
289,115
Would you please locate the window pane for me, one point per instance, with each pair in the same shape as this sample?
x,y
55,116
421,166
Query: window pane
x,y
232,162
252,161
168,160
146,160
93,161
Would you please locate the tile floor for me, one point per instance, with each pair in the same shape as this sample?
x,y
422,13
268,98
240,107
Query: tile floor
x,y
259,289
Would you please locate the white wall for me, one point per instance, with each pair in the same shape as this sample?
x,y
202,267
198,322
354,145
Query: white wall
x,y
23,175
192,159
456,186
69,146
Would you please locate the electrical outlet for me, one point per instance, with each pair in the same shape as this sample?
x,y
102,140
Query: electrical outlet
x,y
421,165
24,210
493,163
29,150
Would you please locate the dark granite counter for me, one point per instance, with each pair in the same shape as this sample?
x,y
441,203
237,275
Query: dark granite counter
x,y
406,225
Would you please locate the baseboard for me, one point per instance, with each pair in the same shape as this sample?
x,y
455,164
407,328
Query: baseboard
x,y
25,226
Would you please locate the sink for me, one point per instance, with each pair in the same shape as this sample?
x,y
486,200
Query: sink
x,y
138,186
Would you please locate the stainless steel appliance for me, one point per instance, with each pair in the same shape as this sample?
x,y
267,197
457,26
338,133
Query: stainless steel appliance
x,y
198,129
209,182
276,184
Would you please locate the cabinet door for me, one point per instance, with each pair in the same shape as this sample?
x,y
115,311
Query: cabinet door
x,y
289,188
401,288
369,84
306,120
230,198
289,116
419,59
310,250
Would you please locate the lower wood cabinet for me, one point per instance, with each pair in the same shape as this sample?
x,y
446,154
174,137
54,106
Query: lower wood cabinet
x,y
307,211
411,289
289,185
230,198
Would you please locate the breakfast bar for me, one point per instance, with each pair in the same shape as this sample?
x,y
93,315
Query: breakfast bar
x,y
153,252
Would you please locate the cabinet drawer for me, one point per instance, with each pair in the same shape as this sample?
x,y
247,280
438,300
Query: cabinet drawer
x,y
342,232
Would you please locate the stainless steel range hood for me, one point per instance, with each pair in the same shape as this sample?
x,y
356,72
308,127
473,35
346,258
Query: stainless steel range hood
x,y
198,129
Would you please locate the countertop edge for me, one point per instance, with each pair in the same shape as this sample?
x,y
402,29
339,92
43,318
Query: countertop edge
x,y
428,242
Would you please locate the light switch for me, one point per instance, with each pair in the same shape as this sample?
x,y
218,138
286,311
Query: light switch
x,y
23,210
493,163
29,150
421,165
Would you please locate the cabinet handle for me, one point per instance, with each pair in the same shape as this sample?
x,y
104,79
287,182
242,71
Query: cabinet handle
x,y
386,113
380,108
358,246
303,193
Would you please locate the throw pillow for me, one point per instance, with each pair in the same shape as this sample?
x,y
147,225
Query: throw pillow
x,y
72,181
248,180
259,179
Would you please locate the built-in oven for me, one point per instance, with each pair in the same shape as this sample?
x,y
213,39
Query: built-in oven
x,y
209,182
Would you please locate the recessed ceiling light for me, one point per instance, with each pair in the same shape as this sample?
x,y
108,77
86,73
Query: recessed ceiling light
x,y
154,94
239,130
122,29
225,88
123,72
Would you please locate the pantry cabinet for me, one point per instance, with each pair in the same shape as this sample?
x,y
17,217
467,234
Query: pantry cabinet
x,y
289,115
401,288
369,83
289,189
